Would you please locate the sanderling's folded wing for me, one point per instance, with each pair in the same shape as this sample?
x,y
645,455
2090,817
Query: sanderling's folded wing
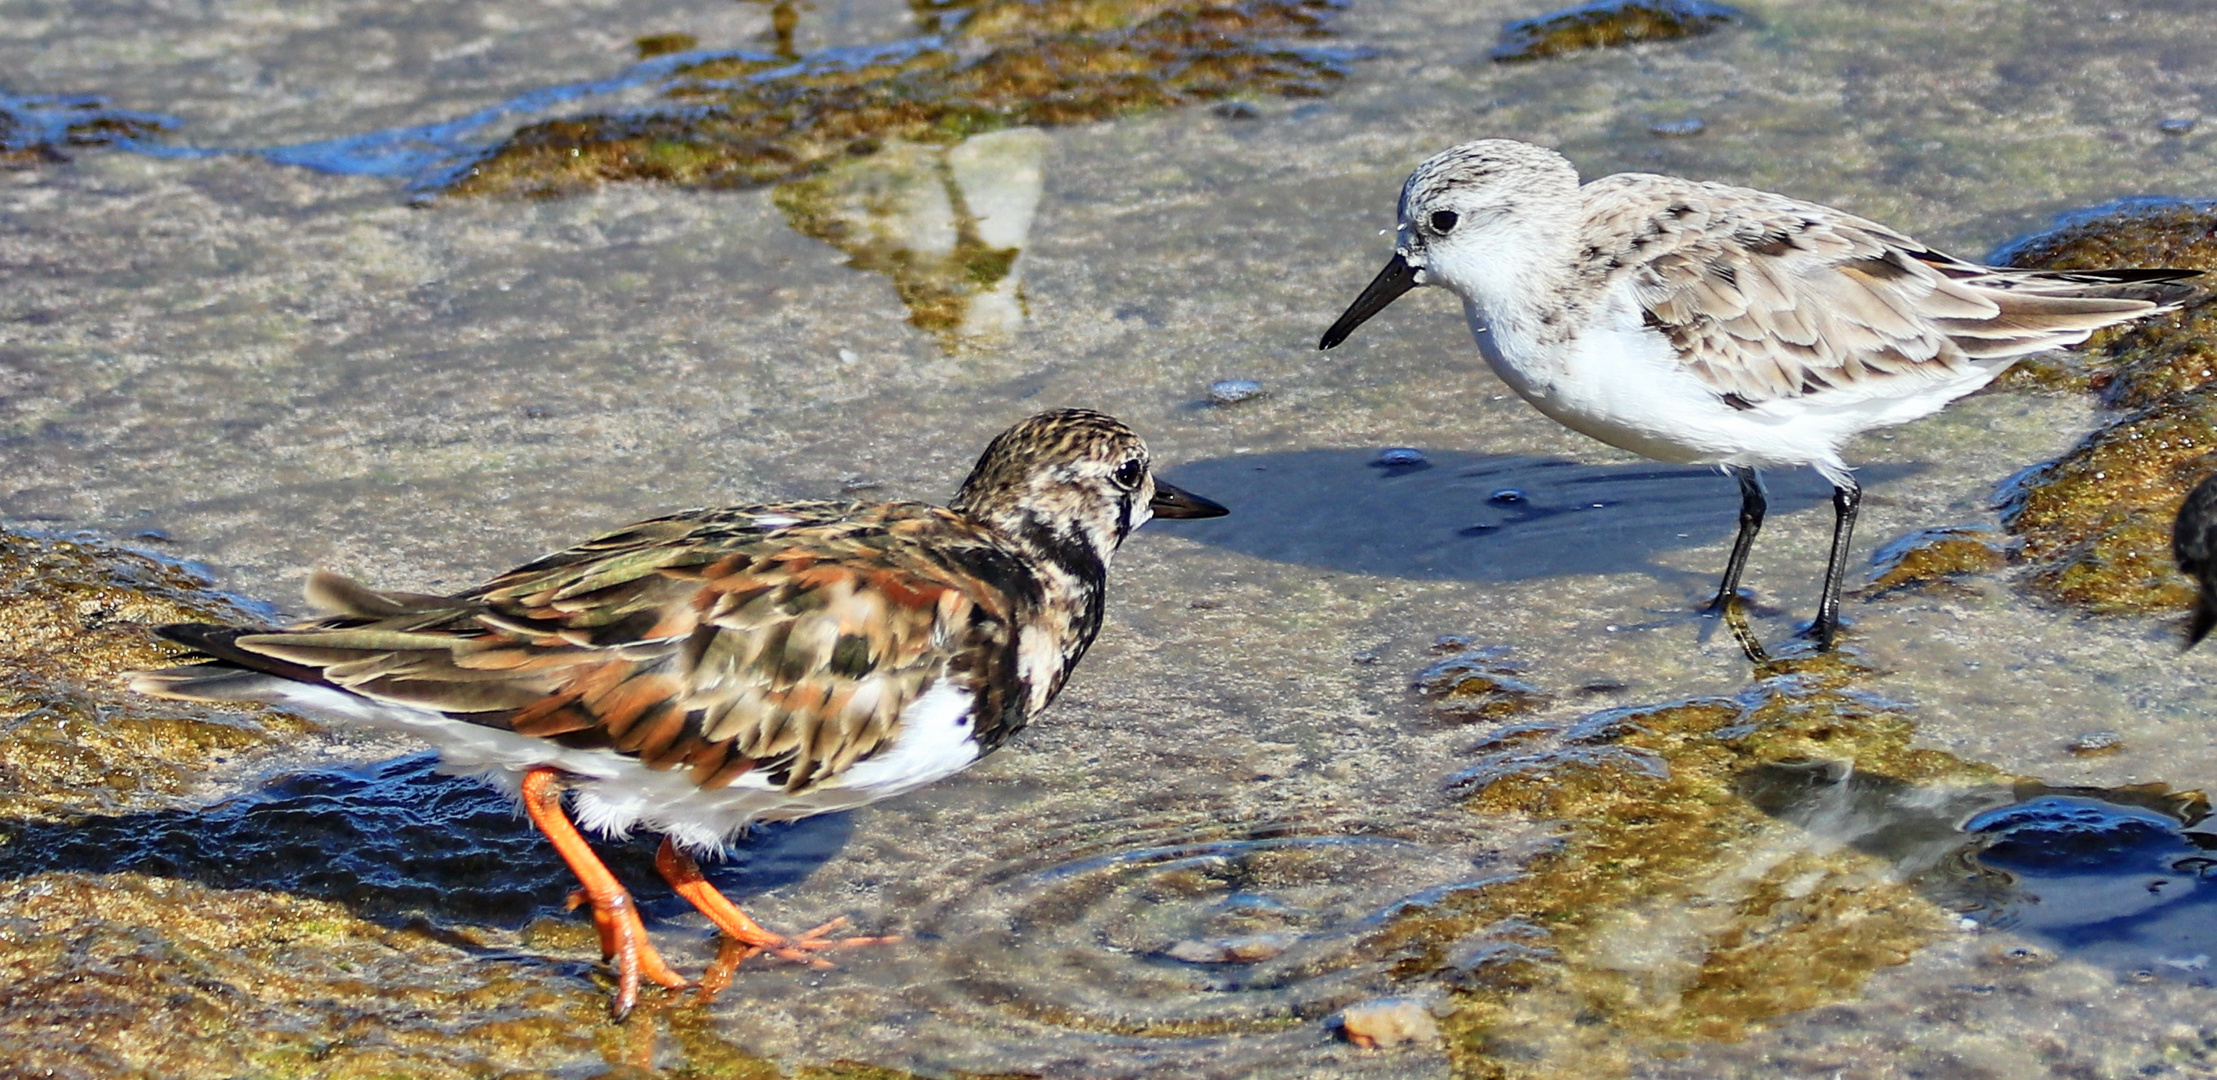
x,y
1765,297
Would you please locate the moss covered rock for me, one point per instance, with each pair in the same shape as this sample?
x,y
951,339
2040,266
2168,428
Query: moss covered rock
x,y
2096,522
1607,24
74,615
746,119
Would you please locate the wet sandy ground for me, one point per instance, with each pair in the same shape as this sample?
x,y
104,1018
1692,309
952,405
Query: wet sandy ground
x,y
268,369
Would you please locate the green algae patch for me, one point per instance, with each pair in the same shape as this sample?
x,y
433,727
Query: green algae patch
x,y
745,120
1607,24
1673,906
74,616
39,130
2095,524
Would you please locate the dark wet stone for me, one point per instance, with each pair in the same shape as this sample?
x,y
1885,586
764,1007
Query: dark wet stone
x,y
1607,24
1679,129
2177,125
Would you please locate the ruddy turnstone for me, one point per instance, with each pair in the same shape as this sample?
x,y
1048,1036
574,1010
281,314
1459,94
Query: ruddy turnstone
x,y
2194,545
702,671
1702,323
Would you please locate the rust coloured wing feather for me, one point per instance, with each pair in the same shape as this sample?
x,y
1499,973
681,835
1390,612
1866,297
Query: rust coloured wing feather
x,y
782,639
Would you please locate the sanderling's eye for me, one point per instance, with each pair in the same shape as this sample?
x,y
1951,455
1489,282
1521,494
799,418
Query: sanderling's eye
x,y
1128,474
1443,221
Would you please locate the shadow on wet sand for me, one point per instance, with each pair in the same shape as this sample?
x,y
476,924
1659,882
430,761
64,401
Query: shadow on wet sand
x,y
1479,517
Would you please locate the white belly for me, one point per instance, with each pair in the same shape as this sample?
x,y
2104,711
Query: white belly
x,y
1621,383
614,793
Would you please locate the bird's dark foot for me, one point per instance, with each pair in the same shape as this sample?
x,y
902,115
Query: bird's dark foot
x,y
1823,634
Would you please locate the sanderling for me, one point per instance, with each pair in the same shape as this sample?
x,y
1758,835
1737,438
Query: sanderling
x,y
698,672
2194,545
1701,323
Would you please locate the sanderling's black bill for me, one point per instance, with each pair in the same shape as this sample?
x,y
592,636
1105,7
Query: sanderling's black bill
x,y
1176,502
1398,277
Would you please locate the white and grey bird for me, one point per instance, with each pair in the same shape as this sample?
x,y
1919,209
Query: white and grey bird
x,y
1696,322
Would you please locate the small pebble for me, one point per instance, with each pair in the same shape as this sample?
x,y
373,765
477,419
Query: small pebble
x,y
1238,950
1375,1025
2097,743
536,412
847,356
2177,125
1233,391
1236,110
1679,129
1401,459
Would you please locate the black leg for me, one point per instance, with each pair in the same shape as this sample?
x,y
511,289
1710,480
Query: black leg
x,y
1752,507
1845,498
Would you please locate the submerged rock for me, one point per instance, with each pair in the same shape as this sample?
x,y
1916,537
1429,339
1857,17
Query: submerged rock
x,y
1607,24
1478,683
2095,523
1674,906
1389,1022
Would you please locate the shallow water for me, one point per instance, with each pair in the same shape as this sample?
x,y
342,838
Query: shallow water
x,y
276,368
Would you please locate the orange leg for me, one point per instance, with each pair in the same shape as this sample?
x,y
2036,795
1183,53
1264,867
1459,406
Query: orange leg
x,y
684,875
623,938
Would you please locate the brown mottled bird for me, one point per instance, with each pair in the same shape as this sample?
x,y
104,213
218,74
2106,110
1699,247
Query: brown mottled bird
x,y
702,671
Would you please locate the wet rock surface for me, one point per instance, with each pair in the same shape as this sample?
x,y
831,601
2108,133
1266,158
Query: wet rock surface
x,y
1002,63
1477,682
75,614
2096,523
1607,24
1936,556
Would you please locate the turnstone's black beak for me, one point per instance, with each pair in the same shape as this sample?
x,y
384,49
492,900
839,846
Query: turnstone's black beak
x,y
1176,502
1398,277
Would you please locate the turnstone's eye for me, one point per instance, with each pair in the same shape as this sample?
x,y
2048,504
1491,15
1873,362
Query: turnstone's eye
x,y
1127,475
1443,221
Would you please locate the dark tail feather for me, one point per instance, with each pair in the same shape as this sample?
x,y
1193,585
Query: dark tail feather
x,y
221,643
2205,617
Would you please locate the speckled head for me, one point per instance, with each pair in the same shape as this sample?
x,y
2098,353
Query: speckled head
x,y
1071,484
1467,215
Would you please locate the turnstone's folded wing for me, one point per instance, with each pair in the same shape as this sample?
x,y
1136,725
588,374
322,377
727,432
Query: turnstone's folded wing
x,y
784,644
1765,297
